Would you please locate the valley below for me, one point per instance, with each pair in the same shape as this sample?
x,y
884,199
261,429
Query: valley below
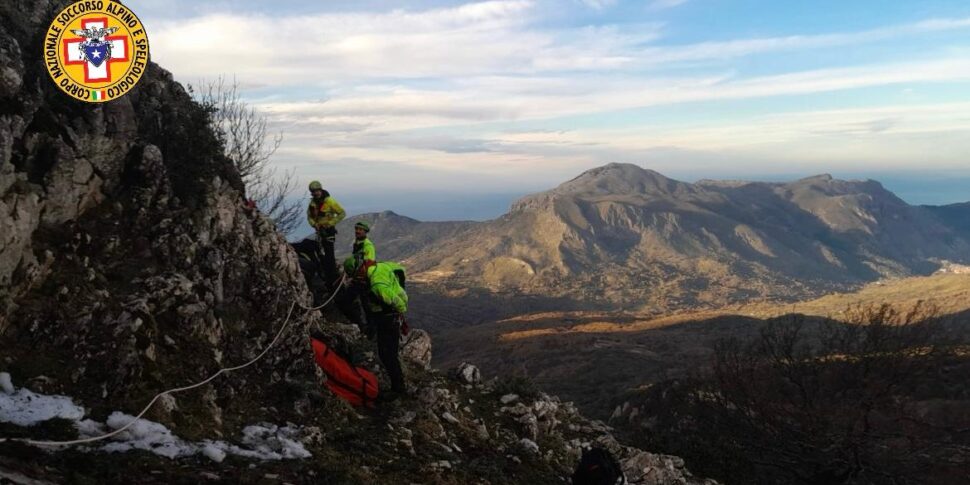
x,y
596,356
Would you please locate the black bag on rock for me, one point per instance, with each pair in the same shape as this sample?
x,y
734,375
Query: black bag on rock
x,y
598,467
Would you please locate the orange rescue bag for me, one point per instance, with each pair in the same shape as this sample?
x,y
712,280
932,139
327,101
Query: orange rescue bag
x,y
356,385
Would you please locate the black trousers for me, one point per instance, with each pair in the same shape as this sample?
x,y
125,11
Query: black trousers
x,y
329,263
348,302
388,345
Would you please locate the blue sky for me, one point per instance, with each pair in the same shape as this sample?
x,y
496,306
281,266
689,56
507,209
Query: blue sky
x,y
464,104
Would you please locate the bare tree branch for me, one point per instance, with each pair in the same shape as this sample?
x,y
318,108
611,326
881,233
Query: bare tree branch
x,y
244,135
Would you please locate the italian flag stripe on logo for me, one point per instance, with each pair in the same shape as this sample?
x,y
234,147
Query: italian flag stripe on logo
x,y
97,95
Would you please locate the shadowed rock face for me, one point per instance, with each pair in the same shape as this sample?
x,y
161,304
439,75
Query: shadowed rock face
x,y
956,215
124,243
630,236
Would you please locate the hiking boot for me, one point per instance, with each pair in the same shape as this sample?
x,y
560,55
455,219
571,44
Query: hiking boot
x,y
390,396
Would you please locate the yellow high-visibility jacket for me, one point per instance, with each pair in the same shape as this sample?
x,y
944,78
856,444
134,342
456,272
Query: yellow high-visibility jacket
x,y
324,212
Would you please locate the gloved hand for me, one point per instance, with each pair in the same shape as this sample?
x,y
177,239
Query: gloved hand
x,y
327,233
405,329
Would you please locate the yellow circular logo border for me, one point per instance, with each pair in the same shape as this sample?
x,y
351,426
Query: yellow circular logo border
x,y
77,27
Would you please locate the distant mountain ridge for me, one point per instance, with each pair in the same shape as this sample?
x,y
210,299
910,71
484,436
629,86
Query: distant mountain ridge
x,y
399,235
957,216
621,234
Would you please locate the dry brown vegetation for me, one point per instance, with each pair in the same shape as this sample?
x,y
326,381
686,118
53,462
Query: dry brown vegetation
x,y
880,397
569,351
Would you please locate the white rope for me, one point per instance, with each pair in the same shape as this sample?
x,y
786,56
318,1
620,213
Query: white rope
x,y
186,388
334,294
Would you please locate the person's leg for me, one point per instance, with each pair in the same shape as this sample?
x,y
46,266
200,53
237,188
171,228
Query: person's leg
x,y
388,337
329,261
349,305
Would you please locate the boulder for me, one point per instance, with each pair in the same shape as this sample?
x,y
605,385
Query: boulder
x,y
417,348
468,374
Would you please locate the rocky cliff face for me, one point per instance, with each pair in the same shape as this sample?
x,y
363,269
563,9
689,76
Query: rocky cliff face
x,y
129,265
125,243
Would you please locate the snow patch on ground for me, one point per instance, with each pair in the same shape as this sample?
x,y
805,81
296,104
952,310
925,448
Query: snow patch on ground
x,y
266,442
263,441
145,435
24,407
213,453
5,383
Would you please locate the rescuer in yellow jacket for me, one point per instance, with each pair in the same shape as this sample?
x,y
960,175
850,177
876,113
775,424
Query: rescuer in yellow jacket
x,y
323,214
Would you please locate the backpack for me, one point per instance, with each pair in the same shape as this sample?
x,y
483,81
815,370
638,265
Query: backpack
x,y
400,277
356,385
598,467
308,249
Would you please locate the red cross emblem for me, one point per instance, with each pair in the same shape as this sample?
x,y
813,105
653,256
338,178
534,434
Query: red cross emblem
x,y
92,73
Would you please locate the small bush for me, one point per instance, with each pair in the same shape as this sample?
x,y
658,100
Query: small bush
x,y
517,384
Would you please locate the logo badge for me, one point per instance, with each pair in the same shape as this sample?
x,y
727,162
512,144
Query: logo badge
x,y
96,50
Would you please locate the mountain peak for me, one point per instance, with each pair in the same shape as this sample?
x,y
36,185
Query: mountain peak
x,y
619,178
822,177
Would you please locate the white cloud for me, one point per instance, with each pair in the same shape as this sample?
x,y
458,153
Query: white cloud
x,y
409,88
745,47
473,38
664,4
477,39
880,138
494,98
598,4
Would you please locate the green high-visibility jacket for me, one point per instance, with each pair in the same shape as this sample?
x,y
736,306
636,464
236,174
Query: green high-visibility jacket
x,y
386,294
363,251
325,212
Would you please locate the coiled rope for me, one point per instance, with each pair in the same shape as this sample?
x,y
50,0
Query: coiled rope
x,y
158,396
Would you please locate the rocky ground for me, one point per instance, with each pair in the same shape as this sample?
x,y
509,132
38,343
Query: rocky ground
x,y
450,429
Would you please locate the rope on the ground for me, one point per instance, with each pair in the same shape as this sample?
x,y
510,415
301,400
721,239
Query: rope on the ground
x,y
158,396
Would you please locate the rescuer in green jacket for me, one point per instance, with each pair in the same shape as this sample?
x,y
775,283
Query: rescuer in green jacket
x,y
323,214
349,301
363,248
385,304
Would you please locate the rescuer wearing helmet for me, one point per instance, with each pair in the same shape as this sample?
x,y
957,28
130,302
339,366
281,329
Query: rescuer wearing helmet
x,y
323,214
363,249
381,288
